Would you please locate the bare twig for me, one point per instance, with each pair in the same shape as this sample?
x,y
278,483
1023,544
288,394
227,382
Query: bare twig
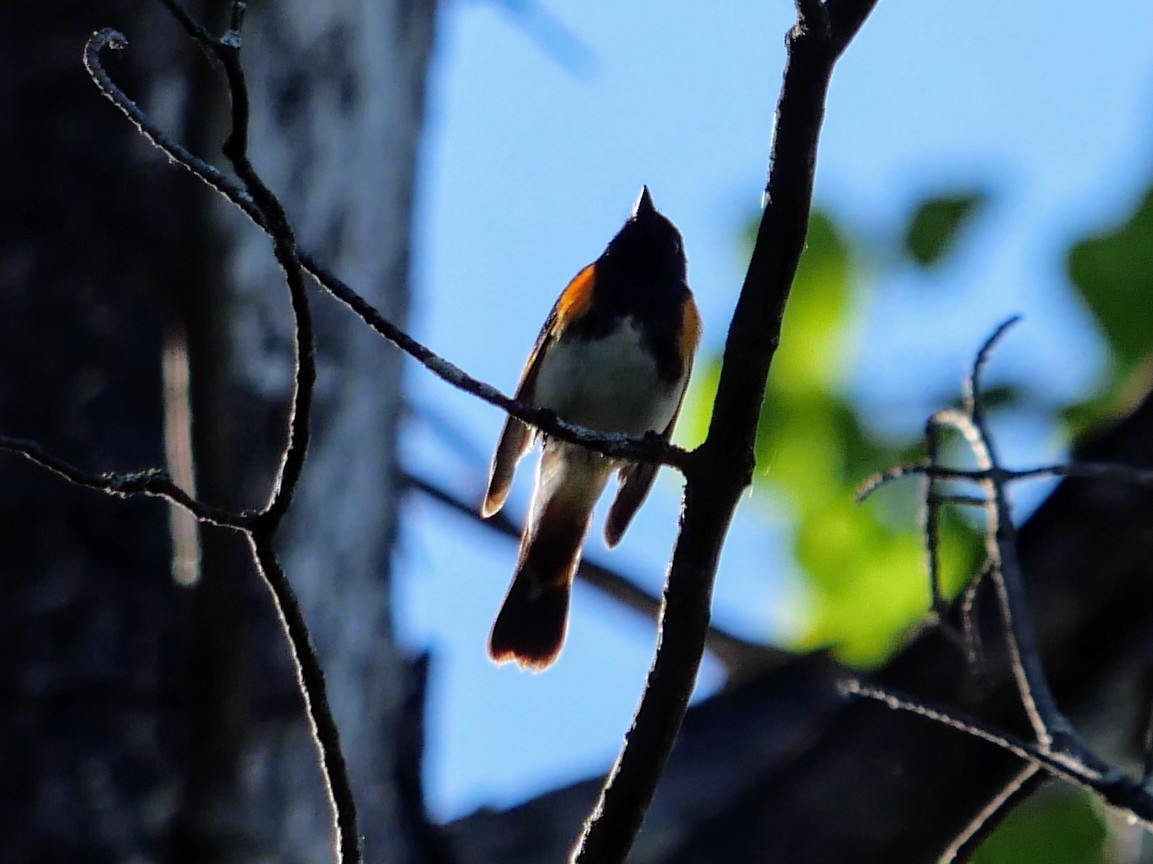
x,y
981,823
314,693
648,448
930,524
261,204
276,226
970,626
1058,748
722,467
1113,787
1103,783
275,223
152,482
1049,723
1086,470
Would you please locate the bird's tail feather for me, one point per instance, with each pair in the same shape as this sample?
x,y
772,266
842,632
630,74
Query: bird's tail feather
x,y
532,623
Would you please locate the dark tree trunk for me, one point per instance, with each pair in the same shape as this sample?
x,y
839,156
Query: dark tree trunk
x,y
143,719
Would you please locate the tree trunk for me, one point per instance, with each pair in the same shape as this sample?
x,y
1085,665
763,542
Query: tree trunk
x,y
147,720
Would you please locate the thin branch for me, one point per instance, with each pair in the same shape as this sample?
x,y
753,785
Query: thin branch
x,y
970,625
648,448
1049,723
276,226
1113,787
314,692
978,828
722,467
1085,470
152,482
256,198
1028,751
930,525
1057,742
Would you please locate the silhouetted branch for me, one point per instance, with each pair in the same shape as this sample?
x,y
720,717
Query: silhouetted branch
x,y
720,470
1113,787
1058,749
647,448
314,692
255,199
1085,470
983,823
151,482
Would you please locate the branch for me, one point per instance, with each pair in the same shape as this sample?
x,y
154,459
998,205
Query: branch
x,y
1084,470
314,693
1024,750
1059,748
275,223
649,448
722,468
1109,784
151,482
256,200
1049,723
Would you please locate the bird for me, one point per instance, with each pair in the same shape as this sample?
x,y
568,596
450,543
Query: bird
x,y
614,355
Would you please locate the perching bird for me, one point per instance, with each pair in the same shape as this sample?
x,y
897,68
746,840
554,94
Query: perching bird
x,y
614,355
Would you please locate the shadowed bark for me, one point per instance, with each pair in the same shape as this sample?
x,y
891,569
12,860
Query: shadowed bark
x,y
157,721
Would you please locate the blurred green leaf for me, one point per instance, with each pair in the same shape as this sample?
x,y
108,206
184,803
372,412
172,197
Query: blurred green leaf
x,y
1060,827
936,224
1113,271
698,408
864,565
811,356
868,579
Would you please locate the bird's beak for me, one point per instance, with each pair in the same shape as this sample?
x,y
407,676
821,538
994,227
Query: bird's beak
x,y
644,204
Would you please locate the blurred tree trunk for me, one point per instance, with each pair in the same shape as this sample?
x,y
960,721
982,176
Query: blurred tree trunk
x,y
144,720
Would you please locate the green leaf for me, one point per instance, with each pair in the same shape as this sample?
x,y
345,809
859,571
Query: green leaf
x,y
864,565
937,223
810,356
1057,827
867,579
1113,271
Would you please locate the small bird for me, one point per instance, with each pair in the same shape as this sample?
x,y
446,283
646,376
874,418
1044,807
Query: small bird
x,y
613,355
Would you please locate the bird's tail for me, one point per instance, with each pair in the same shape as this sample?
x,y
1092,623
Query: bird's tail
x,y
530,628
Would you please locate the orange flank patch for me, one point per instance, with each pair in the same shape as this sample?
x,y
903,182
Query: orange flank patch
x,y
690,330
576,298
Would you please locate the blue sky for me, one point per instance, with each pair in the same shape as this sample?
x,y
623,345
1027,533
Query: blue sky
x,y
537,145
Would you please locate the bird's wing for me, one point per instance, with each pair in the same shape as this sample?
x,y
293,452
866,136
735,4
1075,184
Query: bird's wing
x,y
516,438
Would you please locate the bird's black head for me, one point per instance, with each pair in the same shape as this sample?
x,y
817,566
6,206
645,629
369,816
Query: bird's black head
x,y
648,248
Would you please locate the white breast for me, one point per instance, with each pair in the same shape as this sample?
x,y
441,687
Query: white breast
x,y
609,384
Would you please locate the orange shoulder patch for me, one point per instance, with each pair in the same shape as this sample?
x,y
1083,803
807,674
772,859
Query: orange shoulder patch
x,y
576,298
690,330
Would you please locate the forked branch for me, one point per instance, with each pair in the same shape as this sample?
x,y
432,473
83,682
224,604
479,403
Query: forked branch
x,y
1058,749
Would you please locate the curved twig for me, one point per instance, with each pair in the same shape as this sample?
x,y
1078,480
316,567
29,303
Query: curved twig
x,y
1084,470
151,482
649,448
